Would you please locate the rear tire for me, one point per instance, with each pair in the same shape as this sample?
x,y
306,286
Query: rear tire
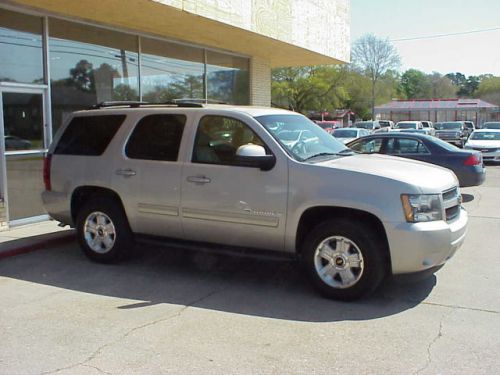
x,y
103,231
344,260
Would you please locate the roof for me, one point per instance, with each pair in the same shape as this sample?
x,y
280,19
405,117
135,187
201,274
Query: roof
x,y
429,104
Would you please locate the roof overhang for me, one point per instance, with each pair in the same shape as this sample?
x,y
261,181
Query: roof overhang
x,y
175,23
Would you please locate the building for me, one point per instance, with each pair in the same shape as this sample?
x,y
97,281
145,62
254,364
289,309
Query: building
x,y
342,118
58,56
438,110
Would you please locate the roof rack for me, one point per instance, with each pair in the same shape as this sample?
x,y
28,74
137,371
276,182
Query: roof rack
x,y
136,104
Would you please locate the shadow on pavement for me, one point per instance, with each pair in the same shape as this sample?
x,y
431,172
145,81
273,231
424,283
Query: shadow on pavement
x,y
270,289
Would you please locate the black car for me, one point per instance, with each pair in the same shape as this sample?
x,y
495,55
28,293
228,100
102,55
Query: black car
x,y
452,131
466,164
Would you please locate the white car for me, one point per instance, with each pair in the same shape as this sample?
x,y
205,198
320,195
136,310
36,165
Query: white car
x,y
407,125
347,135
487,141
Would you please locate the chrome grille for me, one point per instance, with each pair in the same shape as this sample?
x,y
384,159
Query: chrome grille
x,y
451,203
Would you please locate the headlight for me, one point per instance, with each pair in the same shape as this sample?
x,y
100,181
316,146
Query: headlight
x,y
422,207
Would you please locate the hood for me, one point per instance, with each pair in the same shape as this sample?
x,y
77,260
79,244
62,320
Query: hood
x,y
428,178
483,143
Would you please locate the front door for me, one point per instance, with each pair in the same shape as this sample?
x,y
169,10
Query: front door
x,y
226,203
23,143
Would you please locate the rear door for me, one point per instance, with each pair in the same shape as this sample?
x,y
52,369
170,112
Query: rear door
x,y
147,174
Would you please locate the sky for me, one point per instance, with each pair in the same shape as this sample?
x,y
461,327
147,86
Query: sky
x,y
471,54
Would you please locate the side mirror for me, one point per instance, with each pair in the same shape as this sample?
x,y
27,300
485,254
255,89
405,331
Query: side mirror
x,y
254,156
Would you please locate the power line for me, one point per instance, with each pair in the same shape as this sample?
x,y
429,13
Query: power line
x,y
445,35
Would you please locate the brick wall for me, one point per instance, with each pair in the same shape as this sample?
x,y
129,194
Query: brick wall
x,y
260,82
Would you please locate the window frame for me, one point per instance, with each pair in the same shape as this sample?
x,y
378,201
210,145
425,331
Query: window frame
x,y
195,138
419,142
137,124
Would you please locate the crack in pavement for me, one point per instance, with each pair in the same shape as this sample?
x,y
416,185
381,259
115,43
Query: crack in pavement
x,y
460,307
129,332
432,343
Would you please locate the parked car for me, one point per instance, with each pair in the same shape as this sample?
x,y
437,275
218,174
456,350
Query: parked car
x,y
491,125
428,127
328,126
346,135
469,127
487,141
371,126
402,126
385,126
452,132
466,164
15,143
351,219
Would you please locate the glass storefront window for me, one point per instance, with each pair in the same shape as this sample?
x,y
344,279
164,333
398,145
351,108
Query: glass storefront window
x,y
23,121
227,78
171,71
21,56
89,65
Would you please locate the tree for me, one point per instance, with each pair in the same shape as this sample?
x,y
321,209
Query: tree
x,y
489,89
374,56
82,76
307,88
418,85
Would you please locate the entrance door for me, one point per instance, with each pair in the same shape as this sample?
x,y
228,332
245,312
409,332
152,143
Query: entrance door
x,y
23,144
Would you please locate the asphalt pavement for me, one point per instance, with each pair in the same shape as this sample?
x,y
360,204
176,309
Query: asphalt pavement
x,y
172,312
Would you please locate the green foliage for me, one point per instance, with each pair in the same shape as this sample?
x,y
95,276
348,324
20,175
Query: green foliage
x,y
418,85
489,89
305,88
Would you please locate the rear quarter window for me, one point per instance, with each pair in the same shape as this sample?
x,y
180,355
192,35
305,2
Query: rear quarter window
x,y
89,135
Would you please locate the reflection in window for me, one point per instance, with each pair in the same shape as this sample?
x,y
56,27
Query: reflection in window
x,y
20,48
23,121
89,65
170,71
227,78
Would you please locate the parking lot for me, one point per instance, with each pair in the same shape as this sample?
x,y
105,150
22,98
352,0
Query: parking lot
x,y
169,312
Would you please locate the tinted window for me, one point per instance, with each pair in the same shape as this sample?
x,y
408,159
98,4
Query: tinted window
x,y
89,135
367,146
156,137
218,138
405,146
491,125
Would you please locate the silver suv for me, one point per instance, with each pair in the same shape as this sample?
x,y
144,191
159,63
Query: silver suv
x,y
223,177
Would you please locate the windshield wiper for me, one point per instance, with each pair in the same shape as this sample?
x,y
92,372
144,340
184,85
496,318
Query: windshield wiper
x,y
341,153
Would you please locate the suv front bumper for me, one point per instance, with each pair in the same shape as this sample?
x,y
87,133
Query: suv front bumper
x,y
415,247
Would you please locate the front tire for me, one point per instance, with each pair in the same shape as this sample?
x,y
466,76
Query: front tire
x,y
103,231
344,261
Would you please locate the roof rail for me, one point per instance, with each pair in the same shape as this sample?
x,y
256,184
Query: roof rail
x,y
137,104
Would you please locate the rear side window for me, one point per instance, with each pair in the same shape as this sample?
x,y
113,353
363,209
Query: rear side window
x,y
89,135
156,137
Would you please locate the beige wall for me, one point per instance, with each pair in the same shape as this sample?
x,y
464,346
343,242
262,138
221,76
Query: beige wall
x,y
283,32
260,82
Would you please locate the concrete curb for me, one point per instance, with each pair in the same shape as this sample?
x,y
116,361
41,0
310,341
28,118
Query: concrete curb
x,y
33,243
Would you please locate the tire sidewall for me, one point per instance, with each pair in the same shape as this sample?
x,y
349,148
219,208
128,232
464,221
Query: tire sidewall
x,y
369,246
123,238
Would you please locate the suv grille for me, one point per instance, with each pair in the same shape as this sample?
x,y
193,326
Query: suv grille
x,y
451,203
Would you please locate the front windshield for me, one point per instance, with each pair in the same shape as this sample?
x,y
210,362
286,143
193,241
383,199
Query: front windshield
x,y
486,136
449,126
406,125
345,133
491,125
289,135
318,142
363,125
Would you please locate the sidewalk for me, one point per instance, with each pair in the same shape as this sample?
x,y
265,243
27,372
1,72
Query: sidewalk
x,y
26,238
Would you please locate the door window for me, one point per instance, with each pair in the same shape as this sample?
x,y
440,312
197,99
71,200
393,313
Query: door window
x,y
368,146
156,137
218,138
403,146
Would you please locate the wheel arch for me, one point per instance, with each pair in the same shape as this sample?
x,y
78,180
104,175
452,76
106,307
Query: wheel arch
x,y
83,194
315,215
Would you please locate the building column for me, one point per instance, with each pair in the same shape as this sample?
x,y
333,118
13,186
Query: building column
x,y
260,82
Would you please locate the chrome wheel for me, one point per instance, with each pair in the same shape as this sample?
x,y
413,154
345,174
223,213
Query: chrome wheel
x,y
338,262
99,232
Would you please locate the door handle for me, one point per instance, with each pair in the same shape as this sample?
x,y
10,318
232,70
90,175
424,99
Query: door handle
x,y
199,180
126,172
